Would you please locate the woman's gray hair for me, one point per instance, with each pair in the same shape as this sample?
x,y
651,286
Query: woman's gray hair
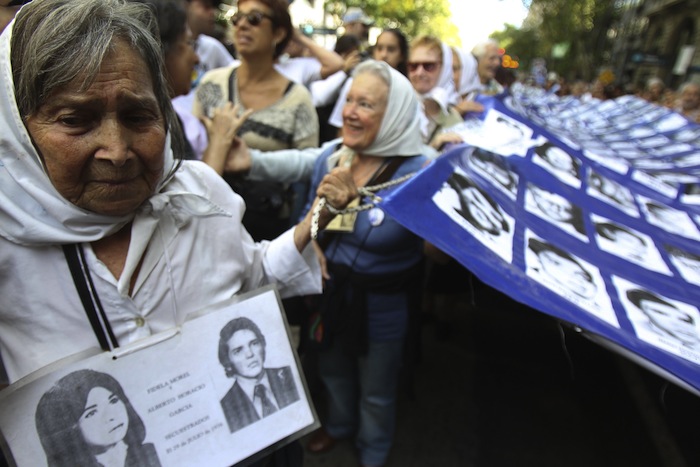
x,y
481,48
57,41
377,68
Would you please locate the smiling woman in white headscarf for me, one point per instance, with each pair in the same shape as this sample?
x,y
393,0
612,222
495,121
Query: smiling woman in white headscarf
x,y
374,266
88,174
430,72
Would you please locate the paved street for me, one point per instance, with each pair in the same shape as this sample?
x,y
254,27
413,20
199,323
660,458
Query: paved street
x,y
509,387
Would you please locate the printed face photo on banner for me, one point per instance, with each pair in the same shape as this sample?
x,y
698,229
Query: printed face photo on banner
x,y
670,122
629,191
669,324
689,134
494,169
669,219
644,163
688,160
559,163
611,192
691,194
555,209
628,244
473,209
499,133
687,263
568,276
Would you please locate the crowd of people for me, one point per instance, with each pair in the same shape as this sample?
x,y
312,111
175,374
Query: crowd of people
x,y
182,170
684,100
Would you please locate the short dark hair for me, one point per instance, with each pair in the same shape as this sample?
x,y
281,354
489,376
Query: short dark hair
x,y
675,251
637,295
172,20
542,152
347,43
538,247
605,229
225,335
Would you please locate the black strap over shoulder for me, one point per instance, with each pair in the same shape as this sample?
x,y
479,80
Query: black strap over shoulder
x,y
88,295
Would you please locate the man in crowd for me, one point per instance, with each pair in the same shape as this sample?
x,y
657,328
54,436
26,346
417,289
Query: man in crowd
x,y
488,61
356,23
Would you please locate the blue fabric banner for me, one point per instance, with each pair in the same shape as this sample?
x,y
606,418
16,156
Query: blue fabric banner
x,y
586,211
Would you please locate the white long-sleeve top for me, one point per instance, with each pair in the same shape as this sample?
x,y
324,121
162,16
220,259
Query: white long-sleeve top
x,y
190,260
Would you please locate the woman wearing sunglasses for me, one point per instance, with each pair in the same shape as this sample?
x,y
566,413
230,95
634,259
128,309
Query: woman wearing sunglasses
x,y
283,116
430,72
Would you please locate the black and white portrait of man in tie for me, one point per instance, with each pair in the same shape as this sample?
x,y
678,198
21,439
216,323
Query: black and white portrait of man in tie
x,y
257,391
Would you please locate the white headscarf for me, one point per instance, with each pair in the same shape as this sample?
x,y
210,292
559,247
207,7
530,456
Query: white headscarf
x,y
469,80
443,93
32,211
446,78
399,133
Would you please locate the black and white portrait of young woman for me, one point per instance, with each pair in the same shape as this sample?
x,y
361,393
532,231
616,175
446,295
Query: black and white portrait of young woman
x,y
555,209
85,419
494,168
559,163
568,276
687,263
501,134
474,210
257,391
666,323
669,219
612,193
628,244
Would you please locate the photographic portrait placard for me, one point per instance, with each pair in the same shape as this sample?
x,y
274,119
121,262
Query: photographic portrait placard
x,y
169,390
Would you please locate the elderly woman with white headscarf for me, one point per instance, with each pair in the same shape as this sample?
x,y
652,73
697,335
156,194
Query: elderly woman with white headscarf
x,y
94,197
373,266
467,83
430,72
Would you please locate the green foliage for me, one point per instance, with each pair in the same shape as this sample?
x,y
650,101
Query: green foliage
x,y
413,17
583,24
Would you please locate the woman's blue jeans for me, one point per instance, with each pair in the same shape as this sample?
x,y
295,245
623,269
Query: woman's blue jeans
x,y
361,393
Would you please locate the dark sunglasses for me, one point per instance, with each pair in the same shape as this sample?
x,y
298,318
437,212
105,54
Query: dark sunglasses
x,y
254,18
427,66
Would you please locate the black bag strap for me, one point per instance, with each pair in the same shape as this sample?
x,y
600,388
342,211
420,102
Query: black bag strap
x,y
88,295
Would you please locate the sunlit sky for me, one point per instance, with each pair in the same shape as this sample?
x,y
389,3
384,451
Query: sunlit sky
x,y
477,19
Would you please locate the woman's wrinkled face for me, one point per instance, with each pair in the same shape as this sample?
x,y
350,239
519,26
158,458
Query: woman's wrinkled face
x,y
105,420
364,111
424,65
103,147
388,49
